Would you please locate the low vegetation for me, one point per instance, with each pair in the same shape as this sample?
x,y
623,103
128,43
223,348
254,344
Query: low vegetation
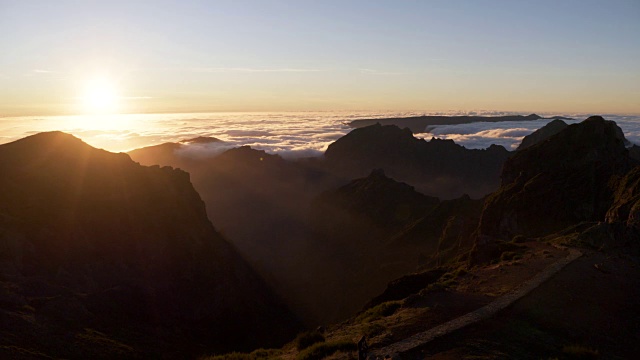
x,y
324,349
580,352
306,339
379,311
371,330
259,354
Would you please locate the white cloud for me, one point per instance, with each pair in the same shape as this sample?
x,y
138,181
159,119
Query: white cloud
x,y
481,135
291,135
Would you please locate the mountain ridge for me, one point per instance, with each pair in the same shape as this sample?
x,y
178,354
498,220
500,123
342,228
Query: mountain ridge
x,y
122,244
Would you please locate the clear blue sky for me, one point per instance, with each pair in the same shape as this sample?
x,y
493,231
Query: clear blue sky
x,y
160,56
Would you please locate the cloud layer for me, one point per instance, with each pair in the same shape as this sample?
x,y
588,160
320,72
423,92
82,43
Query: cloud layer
x,y
290,134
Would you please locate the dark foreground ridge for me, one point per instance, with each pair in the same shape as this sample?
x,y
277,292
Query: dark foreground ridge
x,y
101,257
418,124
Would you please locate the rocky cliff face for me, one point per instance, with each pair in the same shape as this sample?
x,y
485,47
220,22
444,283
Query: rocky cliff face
x,y
625,210
437,167
559,182
120,246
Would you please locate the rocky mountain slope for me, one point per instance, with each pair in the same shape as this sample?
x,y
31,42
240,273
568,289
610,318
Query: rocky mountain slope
x,y
578,188
557,183
102,257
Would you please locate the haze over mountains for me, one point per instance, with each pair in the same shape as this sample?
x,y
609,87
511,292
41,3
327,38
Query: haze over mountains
x,y
97,249
287,206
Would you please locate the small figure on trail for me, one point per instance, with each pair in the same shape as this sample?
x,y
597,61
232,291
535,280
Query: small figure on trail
x,y
362,348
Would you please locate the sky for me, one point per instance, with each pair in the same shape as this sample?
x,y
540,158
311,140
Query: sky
x,y
71,57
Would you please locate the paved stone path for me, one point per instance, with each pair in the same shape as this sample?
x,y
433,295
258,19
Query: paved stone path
x,y
396,349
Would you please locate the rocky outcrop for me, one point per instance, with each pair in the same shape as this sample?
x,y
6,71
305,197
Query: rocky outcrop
x,y
542,134
557,183
625,209
122,246
437,167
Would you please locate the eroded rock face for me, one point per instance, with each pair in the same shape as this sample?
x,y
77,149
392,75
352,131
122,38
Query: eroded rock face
x,y
559,182
125,243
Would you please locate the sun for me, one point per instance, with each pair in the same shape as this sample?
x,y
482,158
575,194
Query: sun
x,y
100,96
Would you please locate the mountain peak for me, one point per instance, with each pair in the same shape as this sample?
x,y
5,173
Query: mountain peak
x,y
108,238
201,140
558,182
542,134
595,118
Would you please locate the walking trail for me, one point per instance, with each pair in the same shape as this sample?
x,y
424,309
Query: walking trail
x,y
396,349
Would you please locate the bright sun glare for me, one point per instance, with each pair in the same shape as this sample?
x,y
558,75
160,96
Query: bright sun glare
x,y
100,97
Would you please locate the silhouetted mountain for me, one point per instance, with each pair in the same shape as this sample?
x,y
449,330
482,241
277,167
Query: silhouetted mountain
x,y
261,203
557,183
106,258
378,202
418,124
437,167
377,229
201,140
542,134
352,225
169,154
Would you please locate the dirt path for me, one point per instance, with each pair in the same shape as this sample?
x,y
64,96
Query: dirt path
x,y
417,340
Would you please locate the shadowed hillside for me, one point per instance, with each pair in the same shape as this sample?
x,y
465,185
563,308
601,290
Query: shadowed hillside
x,y
306,243
119,260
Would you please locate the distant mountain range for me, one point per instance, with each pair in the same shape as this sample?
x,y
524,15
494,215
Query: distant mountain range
x,y
418,124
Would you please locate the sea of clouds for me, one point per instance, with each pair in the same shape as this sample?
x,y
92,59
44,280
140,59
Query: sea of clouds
x,y
289,134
